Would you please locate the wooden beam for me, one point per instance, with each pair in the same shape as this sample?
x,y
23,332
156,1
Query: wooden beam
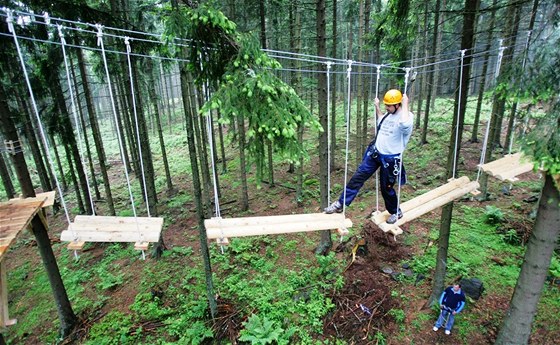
x,y
507,160
112,229
271,228
424,198
220,223
4,314
422,209
109,236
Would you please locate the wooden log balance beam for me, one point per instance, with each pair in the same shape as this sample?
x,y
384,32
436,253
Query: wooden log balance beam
x,y
508,167
223,228
425,203
140,230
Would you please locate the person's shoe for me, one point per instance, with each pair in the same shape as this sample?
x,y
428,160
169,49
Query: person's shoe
x,y
435,329
393,218
334,207
447,332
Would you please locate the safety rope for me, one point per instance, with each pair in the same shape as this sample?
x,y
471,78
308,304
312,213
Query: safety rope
x,y
115,116
486,135
375,133
10,22
458,114
348,105
137,127
75,114
328,63
406,75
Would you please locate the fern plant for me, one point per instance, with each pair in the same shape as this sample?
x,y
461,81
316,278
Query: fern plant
x,y
260,331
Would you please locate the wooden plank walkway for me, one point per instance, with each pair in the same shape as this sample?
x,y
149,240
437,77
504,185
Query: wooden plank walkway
x,y
15,216
425,203
141,230
223,228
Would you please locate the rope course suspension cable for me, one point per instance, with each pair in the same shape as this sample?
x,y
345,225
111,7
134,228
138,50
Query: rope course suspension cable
x,y
458,114
74,112
136,125
407,73
115,116
348,105
10,23
328,63
378,76
487,134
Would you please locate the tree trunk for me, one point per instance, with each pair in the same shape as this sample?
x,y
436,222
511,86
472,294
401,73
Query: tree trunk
x,y
431,87
33,143
197,190
482,87
326,241
202,140
359,87
498,104
96,133
68,138
516,327
128,140
73,178
66,315
84,131
244,194
153,98
333,79
6,179
58,162
471,9
148,172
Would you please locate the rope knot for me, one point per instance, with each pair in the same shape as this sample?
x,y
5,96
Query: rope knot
x,y
60,33
47,18
10,19
127,43
99,34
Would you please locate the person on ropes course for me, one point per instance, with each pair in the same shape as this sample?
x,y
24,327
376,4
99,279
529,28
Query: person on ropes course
x,y
394,129
451,302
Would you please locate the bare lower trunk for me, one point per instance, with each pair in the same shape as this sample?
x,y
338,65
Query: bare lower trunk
x,y
516,327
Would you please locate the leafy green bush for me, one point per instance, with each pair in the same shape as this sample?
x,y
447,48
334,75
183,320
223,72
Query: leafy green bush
x,y
493,215
260,331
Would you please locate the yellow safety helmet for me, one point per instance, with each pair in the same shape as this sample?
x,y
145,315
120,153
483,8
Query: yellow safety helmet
x,y
392,97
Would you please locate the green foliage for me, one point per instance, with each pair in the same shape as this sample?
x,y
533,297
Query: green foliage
x,y
493,215
115,328
260,331
541,83
398,314
271,109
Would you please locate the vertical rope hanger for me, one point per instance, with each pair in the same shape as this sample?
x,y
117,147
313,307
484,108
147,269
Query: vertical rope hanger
x,y
10,23
329,63
486,135
115,116
74,112
137,127
407,73
375,133
348,91
458,114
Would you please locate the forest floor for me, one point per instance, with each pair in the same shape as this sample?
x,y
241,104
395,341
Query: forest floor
x,y
385,288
